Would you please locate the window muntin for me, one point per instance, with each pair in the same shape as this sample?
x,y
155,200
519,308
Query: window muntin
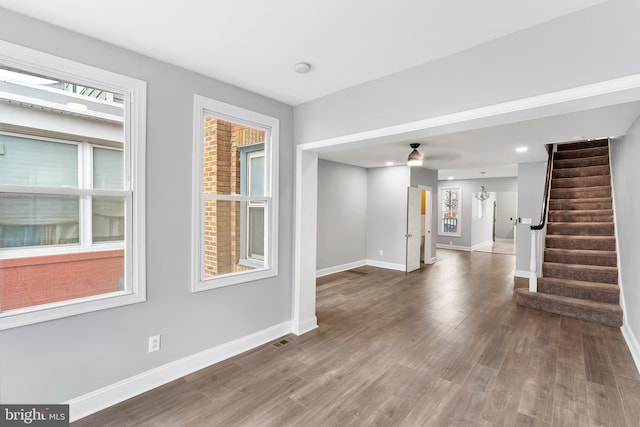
x,y
235,212
71,178
450,211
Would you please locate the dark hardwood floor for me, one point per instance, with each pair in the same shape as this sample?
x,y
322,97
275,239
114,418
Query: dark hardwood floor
x,y
443,346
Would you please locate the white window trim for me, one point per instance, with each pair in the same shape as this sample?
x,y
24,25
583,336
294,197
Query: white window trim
x,y
440,222
135,92
207,106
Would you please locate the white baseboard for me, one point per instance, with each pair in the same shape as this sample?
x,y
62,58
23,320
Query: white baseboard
x,y
521,273
454,247
105,397
632,343
384,264
339,268
305,326
504,240
479,245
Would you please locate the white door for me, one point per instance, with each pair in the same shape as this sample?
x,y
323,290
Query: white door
x,y
414,200
428,256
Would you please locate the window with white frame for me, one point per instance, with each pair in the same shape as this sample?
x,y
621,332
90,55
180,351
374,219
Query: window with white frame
x,y
71,188
450,211
235,195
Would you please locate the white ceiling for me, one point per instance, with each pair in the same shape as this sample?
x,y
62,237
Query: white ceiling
x,y
254,44
464,154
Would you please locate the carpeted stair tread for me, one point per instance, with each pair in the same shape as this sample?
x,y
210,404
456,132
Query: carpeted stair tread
x,y
581,172
578,154
582,181
586,273
580,162
591,311
598,243
583,192
592,203
581,215
581,256
602,292
581,228
583,144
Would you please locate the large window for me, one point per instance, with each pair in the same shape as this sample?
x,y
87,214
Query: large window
x,y
71,188
235,204
450,210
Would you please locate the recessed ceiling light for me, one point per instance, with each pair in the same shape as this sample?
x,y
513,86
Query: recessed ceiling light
x,y
522,149
389,163
450,178
302,67
77,106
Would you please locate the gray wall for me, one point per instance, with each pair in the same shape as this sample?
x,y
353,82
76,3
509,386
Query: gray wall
x,y
428,178
531,177
625,156
482,226
563,53
62,359
470,186
387,213
507,212
342,214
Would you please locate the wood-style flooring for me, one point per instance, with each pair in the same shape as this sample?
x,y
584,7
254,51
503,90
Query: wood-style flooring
x,y
442,346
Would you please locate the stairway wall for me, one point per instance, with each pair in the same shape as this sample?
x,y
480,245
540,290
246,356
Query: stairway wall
x,y
625,158
531,177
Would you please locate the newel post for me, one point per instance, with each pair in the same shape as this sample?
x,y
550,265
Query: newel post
x,y
534,263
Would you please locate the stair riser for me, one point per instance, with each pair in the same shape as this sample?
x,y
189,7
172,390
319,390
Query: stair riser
x,y
583,144
582,205
555,216
583,275
580,229
581,163
577,292
580,193
603,317
583,153
608,260
578,172
564,242
581,182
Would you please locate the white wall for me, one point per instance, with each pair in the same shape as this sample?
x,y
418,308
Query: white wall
x,y
482,224
531,177
59,360
342,214
563,53
387,214
625,157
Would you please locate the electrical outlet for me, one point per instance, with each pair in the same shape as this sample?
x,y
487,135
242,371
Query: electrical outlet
x,y
381,253
154,343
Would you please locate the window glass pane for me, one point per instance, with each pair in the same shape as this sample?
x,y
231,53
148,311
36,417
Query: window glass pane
x,y
38,220
108,169
450,198
222,239
108,219
33,162
33,281
255,246
221,154
256,173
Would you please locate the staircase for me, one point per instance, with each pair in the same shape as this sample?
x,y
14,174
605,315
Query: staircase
x,y
579,272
